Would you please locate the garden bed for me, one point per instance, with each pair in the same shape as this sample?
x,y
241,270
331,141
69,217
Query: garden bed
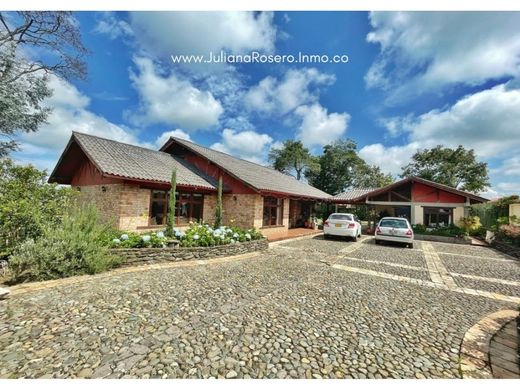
x,y
133,256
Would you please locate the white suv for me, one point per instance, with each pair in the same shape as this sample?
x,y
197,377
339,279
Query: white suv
x,y
395,230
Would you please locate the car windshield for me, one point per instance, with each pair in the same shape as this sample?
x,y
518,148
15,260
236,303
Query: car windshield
x,y
343,217
394,223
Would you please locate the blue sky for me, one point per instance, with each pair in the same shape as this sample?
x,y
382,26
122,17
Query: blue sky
x,y
413,80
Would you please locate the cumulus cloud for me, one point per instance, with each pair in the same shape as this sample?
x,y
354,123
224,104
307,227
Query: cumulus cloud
x,y
169,99
509,167
164,137
248,145
425,51
296,87
70,112
389,158
318,127
112,26
167,33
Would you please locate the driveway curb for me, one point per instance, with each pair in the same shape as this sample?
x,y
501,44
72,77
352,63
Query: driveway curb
x,y
474,350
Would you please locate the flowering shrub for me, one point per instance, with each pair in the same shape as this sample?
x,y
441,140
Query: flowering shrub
x,y
509,233
195,235
205,235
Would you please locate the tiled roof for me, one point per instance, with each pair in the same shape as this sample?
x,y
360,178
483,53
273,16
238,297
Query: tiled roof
x,y
134,162
257,176
352,194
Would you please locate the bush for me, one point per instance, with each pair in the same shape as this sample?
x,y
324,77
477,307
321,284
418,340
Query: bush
x,y
470,224
445,231
196,235
76,247
509,233
28,204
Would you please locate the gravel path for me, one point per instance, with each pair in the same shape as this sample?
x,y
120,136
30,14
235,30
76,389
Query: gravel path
x,y
273,316
468,250
390,254
484,285
389,269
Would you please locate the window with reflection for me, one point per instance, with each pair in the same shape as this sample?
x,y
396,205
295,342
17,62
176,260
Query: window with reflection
x,y
273,211
188,207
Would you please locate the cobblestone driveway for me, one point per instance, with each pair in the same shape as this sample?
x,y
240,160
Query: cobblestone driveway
x,y
307,308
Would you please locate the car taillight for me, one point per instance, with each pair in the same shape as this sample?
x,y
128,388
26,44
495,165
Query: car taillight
x,y
326,223
409,232
378,230
351,225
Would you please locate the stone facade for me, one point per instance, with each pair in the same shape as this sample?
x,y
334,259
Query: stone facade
x,y
208,209
133,256
125,206
240,209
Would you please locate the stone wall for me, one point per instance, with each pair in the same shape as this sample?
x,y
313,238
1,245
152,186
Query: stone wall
x,y
208,209
134,256
125,206
450,240
134,207
106,201
240,209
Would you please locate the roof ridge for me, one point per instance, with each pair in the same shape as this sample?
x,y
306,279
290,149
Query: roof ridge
x,y
237,158
118,142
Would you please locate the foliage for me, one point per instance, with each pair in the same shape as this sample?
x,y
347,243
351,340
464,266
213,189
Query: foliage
x,y
134,240
457,168
194,236
77,246
171,205
509,233
218,206
28,204
370,176
470,224
491,214
291,156
445,231
336,167
53,41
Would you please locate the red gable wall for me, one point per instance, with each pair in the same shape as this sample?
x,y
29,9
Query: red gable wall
x,y
425,193
87,175
236,186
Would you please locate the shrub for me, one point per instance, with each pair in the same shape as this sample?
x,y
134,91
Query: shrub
x,y
76,247
445,231
28,204
470,224
509,233
196,235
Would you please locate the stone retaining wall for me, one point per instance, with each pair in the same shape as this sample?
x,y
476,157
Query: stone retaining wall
x,y
133,256
506,248
449,240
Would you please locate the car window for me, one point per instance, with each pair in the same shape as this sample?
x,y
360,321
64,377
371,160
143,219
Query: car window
x,y
394,223
342,217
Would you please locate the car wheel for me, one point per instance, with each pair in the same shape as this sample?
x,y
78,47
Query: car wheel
x,y
326,236
378,242
410,246
354,238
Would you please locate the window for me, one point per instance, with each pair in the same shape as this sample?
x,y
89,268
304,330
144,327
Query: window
x,y
343,217
273,211
188,207
394,223
437,216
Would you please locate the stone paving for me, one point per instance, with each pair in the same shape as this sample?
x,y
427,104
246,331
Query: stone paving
x,y
294,311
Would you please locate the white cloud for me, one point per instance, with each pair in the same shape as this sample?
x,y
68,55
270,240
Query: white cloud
x,y
171,100
164,137
389,158
70,112
113,26
248,145
509,167
297,87
424,51
318,127
167,33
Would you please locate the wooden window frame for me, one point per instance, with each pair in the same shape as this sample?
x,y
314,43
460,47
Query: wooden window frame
x,y
278,206
428,210
191,201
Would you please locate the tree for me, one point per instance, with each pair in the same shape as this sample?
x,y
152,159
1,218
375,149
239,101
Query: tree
x,y
370,176
54,41
171,205
456,168
28,204
218,207
292,156
335,168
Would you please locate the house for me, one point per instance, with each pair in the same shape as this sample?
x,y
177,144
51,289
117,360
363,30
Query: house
x,y
130,185
419,200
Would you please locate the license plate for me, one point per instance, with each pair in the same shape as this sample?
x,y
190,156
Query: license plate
x,y
339,225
